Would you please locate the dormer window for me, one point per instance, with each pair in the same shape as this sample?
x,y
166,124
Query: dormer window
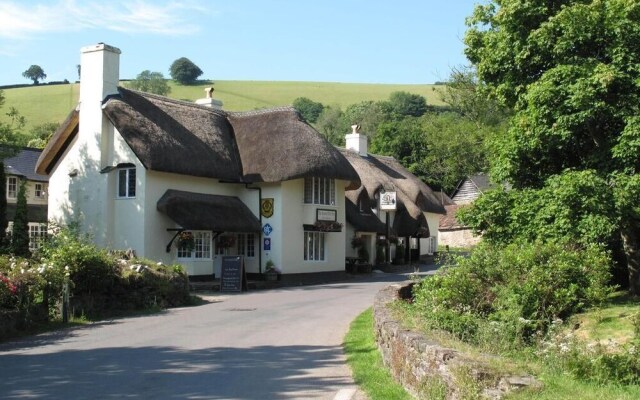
x,y
320,191
12,187
126,182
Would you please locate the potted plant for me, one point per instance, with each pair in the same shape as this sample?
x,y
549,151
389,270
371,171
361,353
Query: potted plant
x,y
270,271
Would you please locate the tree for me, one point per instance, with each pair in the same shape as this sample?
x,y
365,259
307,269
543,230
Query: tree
x,y
408,104
184,71
39,135
35,73
151,82
569,69
329,124
309,109
20,232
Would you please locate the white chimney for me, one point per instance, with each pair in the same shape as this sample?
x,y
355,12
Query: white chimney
x,y
356,141
99,77
209,101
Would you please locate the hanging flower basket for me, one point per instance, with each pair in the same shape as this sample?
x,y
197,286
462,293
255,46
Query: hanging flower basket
x,y
328,226
225,242
357,242
186,241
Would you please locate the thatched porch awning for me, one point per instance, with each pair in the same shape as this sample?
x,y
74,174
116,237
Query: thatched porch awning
x,y
363,222
209,212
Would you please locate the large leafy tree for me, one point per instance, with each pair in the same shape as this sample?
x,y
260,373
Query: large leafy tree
x,y
571,72
151,82
184,71
35,73
309,109
20,233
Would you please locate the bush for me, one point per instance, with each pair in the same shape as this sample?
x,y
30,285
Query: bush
x,y
520,288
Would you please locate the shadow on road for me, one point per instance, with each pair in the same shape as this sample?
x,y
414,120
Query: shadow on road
x,y
168,373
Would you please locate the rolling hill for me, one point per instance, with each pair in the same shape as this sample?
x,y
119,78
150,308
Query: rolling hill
x,y
44,103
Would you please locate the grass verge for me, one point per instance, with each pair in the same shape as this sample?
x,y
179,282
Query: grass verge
x,y
366,362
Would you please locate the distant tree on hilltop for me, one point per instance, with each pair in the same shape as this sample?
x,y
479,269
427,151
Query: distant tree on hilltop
x,y
151,82
309,109
35,73
184,71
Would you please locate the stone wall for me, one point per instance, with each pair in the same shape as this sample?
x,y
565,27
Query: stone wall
x,y
428,370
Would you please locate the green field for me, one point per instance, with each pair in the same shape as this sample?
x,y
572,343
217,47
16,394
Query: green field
x,y
40,104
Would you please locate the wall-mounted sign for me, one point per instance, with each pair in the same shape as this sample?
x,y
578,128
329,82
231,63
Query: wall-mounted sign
x,y
326,215
388,201
266,207
267,244
267,229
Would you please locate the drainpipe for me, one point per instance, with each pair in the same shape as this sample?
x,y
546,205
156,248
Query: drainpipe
x,y
259,189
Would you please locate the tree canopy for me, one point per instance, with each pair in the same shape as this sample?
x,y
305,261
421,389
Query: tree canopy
x,y
570,71
151,82
184,71
309,109
35,73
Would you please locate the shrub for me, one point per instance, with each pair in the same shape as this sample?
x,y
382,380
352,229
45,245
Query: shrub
x,y
521,288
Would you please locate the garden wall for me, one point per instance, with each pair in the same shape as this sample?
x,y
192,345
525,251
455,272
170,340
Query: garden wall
x,y
429,370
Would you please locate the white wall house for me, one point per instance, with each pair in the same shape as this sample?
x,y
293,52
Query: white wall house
x,y
418,209
140,171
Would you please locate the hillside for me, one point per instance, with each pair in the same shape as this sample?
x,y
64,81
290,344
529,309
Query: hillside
x,y
40,104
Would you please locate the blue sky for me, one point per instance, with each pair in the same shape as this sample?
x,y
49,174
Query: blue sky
x,y
369,41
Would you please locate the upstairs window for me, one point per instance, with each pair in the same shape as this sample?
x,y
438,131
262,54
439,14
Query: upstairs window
x,y
12,187
39,190
320,191
126,182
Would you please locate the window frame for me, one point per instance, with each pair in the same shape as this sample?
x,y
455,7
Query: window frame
x,y
37,234
12,181
130,182
39,187
319,191
315,246
202,250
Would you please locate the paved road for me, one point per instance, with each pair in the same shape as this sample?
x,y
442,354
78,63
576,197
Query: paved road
x,y
274,344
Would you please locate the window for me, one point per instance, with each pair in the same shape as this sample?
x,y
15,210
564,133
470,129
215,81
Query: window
x,y
314,246
126,182
39,190
12,187
201,249
246,244
37,235
320,191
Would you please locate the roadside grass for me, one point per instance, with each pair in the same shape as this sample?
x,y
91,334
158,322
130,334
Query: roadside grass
x,y
612,321
366,362
45,103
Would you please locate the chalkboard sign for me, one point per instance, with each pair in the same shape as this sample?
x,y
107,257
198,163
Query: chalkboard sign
x,y
232,276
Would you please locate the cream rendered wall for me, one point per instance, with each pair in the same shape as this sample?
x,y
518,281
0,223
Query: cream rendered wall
x,y
156,223
433,220
30,189
296,213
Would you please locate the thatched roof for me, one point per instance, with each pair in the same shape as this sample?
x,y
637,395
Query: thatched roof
x,y
414,196
449,220
58,143
200,211
363,221
185,138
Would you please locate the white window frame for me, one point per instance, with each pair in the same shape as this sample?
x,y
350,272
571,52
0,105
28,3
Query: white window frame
x,y
37,235
202,250
129,174
320,191
39,190
246,245
12,187
315,246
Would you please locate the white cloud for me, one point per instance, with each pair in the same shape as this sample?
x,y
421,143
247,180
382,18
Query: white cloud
x,y
21,21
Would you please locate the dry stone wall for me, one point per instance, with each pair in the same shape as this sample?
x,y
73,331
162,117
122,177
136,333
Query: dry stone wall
x,y
428,370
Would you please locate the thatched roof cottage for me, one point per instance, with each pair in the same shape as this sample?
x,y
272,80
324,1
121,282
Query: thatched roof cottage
x,y
181,182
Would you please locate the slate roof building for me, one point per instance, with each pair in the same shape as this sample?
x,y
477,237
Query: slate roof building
x,y
21,168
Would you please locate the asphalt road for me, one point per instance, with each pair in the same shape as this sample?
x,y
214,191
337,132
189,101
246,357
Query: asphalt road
x,y
269,344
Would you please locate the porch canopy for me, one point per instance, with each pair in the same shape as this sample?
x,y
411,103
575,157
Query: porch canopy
x,y
208,212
